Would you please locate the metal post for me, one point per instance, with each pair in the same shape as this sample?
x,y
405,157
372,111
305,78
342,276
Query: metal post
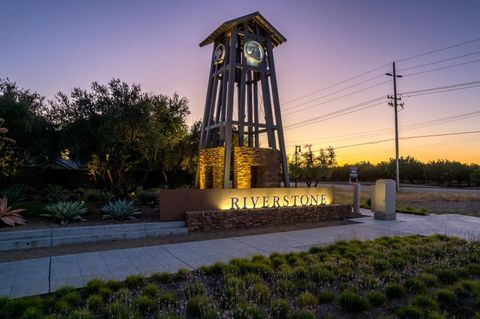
x,y
298,149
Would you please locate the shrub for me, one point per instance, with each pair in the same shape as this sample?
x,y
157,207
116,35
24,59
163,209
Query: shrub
x,y
283,287
73,298
326,296
304,314
414,285
144,304
162,277
64,290
410,312
428,279
280,309
424,302
94,286
168,315
380,265
246,311
447,276
31,313
105,292
198,305
251,279
147,197
118,310
62,306
98,195
353,302
394,291
134,281
114,285
215,269
167,300
230,292
95,303
446,297
151,290
260,293
9,216
181,274
376,298
121,209
306,300
322,275
474,269
66,212
194,289
81,314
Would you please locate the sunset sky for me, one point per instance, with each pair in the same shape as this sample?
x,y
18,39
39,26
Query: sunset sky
x,y
50,46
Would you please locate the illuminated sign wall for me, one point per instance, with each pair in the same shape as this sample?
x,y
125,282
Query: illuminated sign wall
x,y
175,202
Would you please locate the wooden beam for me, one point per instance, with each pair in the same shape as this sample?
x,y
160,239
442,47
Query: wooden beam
x,y
267,108
241,99
232,57
249,109
278,115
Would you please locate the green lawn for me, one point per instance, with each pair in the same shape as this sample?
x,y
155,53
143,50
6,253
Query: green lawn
x,y
404,277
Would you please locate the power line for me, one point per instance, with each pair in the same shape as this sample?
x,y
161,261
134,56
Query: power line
x,y
441,87
403,128
342,112
408,138
339,97
387,64
444,91
334,92
443,67
336,84
438,50
440,61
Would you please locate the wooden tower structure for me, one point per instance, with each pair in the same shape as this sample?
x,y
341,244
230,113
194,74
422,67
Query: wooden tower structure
x,y
242,109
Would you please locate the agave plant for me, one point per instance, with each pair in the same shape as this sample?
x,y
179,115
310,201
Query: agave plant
x,y
121,209
10,216
56,193
65,212
15,194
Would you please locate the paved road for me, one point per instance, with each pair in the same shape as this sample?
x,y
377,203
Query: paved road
x,y
43,275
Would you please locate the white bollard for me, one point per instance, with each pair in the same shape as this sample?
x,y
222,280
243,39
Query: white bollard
x,y
356,198
383,200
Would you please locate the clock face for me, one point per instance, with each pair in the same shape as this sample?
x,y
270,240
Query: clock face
x,y
253,52
219,54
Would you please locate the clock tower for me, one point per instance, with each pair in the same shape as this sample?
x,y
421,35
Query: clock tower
x,y
242,143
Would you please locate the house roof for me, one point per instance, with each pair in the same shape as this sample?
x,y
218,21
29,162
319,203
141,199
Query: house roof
x,y
277,37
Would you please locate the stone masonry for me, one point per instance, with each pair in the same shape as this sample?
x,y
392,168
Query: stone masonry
x,y
267,161
213,220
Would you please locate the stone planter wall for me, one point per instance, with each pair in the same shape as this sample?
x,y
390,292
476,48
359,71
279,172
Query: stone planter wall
x,y
213,220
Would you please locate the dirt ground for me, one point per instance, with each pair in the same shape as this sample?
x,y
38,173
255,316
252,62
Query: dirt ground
x,y
107,245
435,203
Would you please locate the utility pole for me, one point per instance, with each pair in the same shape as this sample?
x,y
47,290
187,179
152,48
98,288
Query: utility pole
x,y
298,149
395,105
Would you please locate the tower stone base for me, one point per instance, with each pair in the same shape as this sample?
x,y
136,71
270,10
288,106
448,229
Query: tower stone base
x,y
252,167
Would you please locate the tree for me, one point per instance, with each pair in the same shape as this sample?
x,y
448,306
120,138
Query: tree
x,y
411,169
9,158
25,116
121,132
312,169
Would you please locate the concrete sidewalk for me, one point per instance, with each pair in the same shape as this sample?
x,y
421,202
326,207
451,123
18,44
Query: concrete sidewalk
x,y
43,275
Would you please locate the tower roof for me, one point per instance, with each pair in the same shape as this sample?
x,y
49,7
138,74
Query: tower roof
x,y
277,37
